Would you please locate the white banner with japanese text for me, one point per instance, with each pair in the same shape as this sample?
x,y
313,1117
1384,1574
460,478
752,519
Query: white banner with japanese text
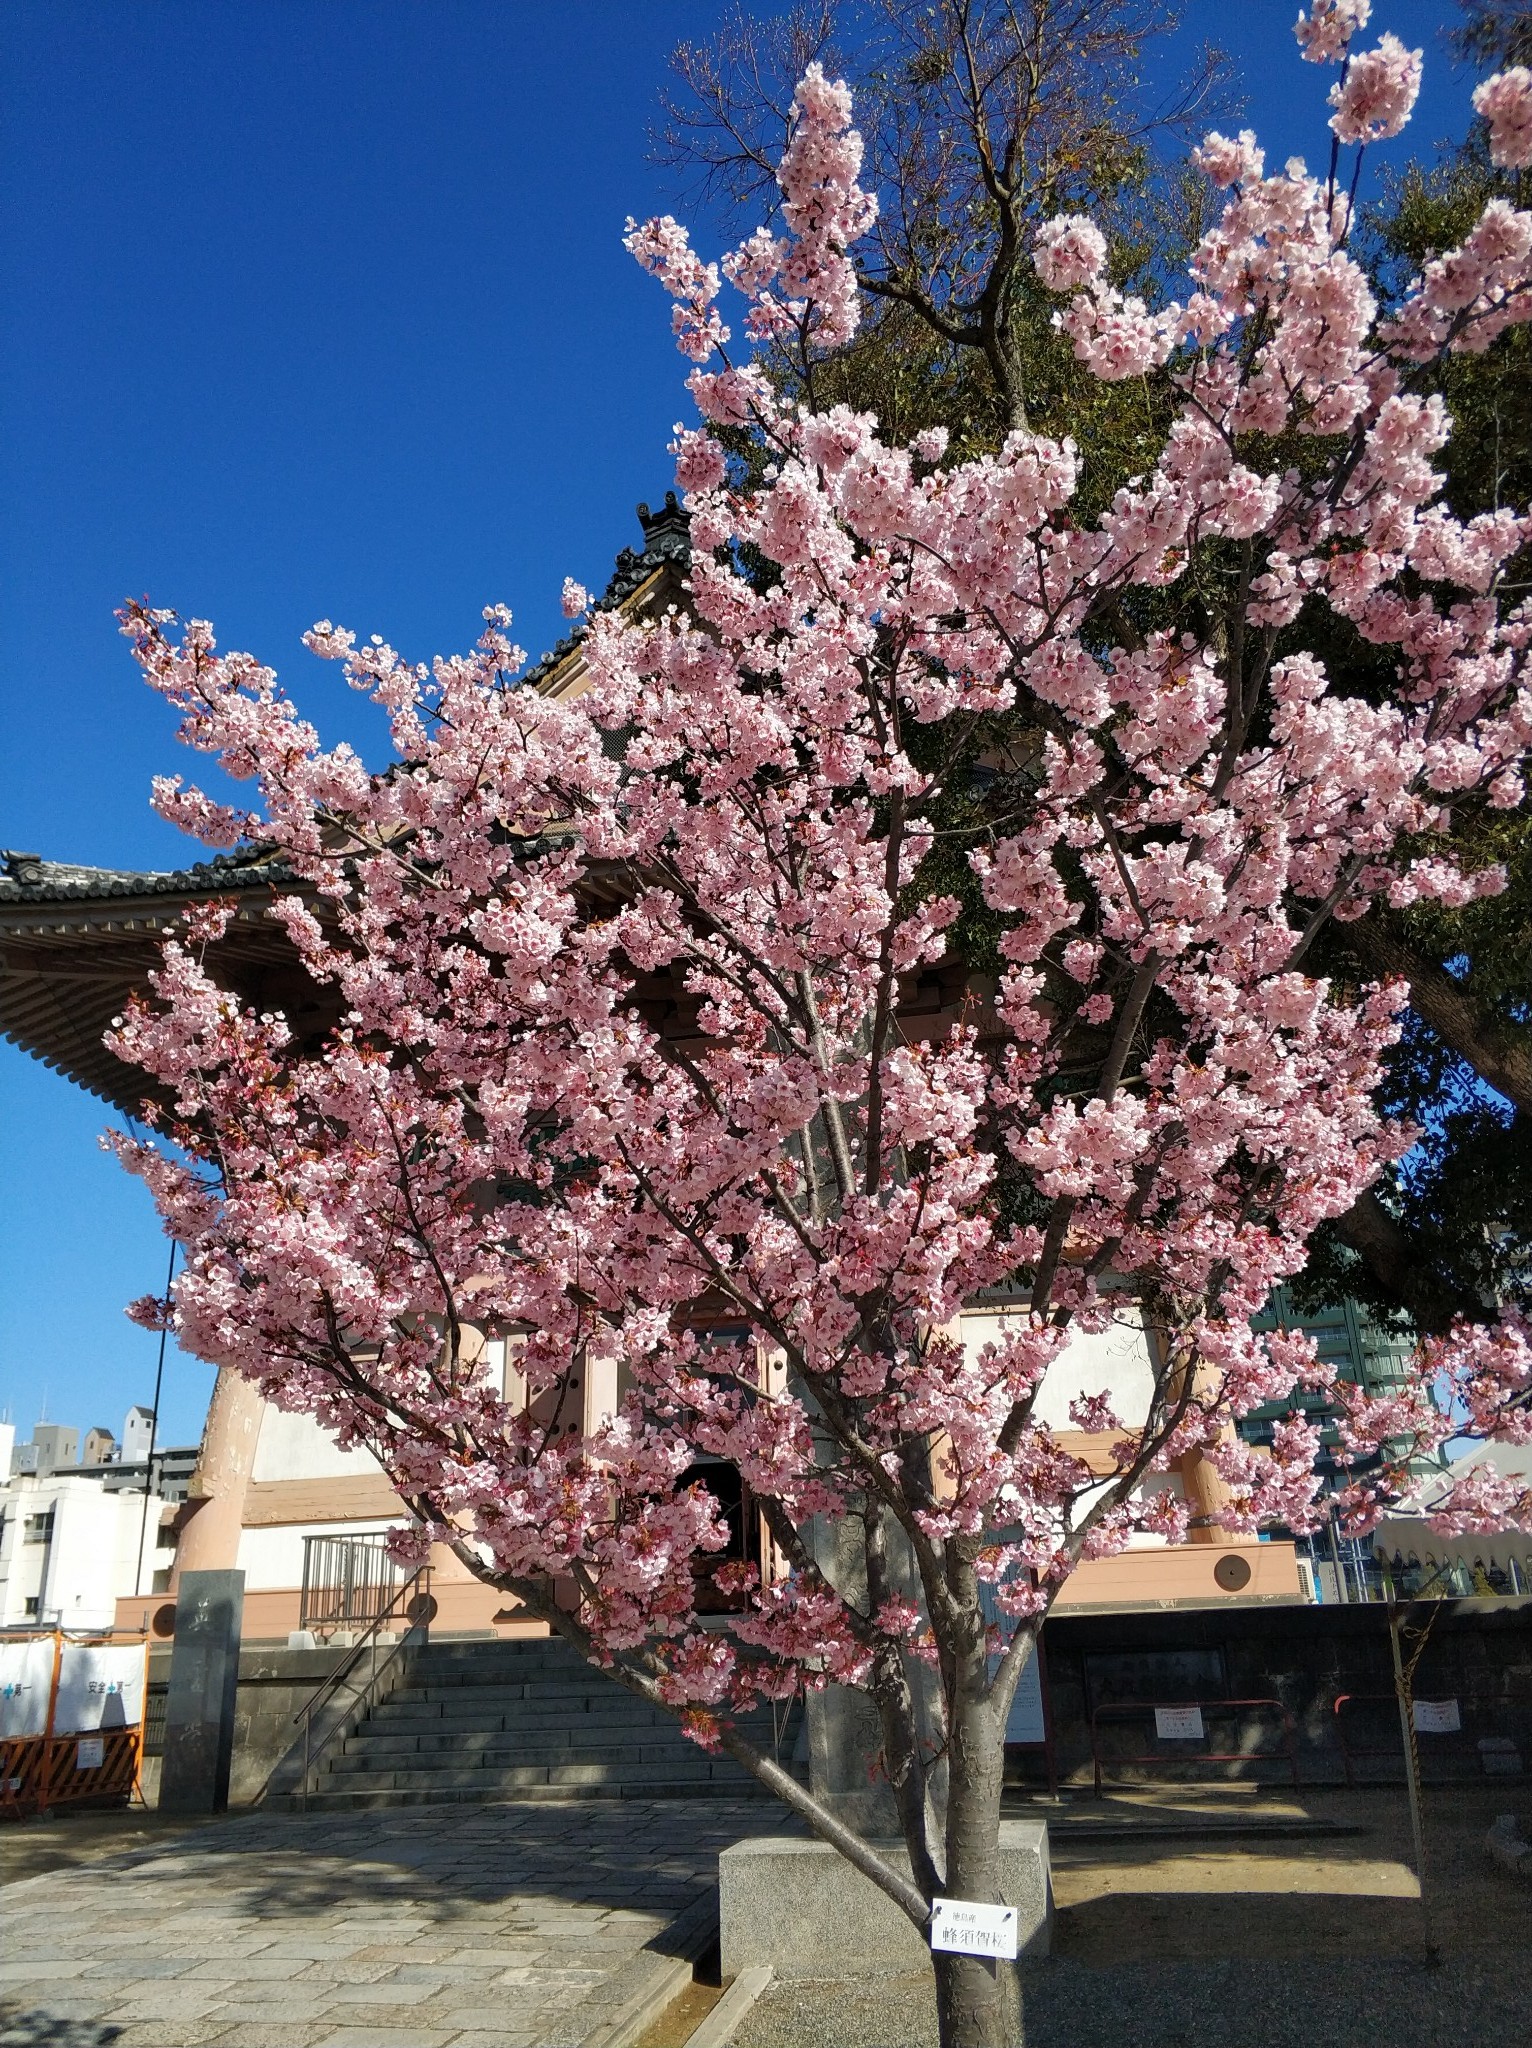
x,y
26,1679
101,1685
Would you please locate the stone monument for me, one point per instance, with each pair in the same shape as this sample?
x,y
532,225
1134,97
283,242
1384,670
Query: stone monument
x,y
204,1683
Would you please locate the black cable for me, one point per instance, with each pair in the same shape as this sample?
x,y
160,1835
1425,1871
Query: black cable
x,y
154,1422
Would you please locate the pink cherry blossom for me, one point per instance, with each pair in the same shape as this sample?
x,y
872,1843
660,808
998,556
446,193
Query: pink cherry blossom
x,y
1070,251
1324,32
1229,162
647,1047
1377,94
1505,101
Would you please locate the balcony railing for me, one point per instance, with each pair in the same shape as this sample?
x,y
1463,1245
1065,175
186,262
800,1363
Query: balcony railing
x,y
348,1582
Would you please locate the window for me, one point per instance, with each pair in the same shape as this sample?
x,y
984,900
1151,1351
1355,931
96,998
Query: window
x,y
29,1607
37,1528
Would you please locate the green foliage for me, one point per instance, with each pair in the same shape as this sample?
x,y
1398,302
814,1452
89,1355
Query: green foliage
x,y
1495,33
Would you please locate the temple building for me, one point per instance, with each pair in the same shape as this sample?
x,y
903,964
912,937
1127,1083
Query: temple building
x,y
271,1494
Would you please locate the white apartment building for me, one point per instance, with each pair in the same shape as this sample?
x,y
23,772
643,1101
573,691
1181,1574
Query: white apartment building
x,y
71,1551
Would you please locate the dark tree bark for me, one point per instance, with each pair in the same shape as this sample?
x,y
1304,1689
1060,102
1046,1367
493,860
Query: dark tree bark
x,y
977,2000
1497,1055
1432,1301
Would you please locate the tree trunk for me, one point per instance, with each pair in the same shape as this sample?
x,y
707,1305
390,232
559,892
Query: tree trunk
x,y
1431,1299
978,2002
1495,1052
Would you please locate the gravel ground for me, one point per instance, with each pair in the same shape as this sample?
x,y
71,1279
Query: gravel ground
x,y
1245,1944
1223,2004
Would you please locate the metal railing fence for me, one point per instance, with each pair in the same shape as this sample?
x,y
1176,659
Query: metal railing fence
x,y
407,1617
348,1582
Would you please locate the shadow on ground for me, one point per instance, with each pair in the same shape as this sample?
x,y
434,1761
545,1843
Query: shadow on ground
x,y
1225,2004
648,1855
22,2028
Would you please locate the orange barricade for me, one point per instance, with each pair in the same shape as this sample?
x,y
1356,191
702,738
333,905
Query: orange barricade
x,y
59,1766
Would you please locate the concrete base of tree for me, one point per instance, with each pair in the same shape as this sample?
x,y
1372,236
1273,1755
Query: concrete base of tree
x,y
799,1906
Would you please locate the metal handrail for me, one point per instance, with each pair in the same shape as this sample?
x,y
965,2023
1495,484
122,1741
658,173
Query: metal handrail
x,y
417,1586
1465,1741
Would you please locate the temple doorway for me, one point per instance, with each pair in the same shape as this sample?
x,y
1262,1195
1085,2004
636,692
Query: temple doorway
x,y
737,1511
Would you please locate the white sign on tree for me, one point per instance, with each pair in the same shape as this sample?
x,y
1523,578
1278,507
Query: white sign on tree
x,y
965,1927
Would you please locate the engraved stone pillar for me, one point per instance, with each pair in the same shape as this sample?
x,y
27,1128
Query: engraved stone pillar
x,y
204,1682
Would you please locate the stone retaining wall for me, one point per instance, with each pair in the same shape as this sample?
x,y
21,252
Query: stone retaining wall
x,y
1479,1652
273,1686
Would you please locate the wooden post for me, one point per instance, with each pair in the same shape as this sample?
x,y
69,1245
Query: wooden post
x,y
1404,1691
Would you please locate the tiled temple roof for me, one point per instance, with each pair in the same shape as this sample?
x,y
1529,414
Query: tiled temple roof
x,y
28,878
666,545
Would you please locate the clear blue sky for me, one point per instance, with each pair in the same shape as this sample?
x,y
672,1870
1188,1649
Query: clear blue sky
x,y
318,308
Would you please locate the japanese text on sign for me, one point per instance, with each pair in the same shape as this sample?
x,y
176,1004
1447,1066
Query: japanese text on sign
x,y
965,1927
1437,1717
1179,1724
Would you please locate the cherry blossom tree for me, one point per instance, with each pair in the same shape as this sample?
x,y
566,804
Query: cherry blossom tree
x,y
634,1037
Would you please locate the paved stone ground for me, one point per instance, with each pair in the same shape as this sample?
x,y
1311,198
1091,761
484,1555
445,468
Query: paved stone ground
x,y
507,1926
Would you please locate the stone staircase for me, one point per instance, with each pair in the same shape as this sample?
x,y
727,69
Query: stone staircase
x,y
523,1720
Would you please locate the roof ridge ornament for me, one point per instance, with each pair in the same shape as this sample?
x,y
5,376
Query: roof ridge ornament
x,y
672,521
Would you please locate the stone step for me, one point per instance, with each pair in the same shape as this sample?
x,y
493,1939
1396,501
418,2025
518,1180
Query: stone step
x,y
426,1717
655,1755
485,1721
477,1756
509,1778
448,1727
570,1730
497,1662
442,1653
470,1706
420,1670
576,1695
484,1741
506,1671
351,1799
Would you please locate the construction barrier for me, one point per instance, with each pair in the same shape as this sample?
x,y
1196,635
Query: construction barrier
x,y
71,1720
